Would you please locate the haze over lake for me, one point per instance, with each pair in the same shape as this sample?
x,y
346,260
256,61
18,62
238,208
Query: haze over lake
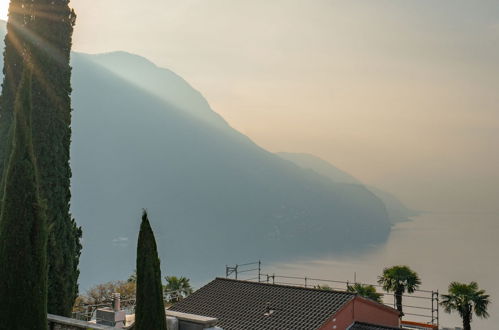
x,y
441,247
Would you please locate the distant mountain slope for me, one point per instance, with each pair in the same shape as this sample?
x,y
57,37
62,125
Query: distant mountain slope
x,y
213,195
144,138
397,210
162,83
320,166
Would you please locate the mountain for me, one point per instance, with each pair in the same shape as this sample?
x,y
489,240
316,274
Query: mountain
x,y
144,138
320,166
397,210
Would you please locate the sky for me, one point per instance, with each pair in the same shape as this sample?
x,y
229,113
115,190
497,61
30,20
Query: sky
x,y
4,5
401,94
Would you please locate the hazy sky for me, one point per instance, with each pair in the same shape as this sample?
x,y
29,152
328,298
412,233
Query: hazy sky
x,y
402,94
4,4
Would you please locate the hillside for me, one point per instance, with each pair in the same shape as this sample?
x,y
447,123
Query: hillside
x,y
213,195
144,138
397,210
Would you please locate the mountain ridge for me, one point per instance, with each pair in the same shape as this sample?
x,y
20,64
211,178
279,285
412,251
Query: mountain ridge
x,y
397,210
144,138
203,183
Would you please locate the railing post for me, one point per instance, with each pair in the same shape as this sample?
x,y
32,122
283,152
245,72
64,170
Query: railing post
x,y
438,310
432,307
259,270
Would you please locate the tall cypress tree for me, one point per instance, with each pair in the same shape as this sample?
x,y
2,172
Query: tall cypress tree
x,y
45,28
23,228
150,307
53,24
15,47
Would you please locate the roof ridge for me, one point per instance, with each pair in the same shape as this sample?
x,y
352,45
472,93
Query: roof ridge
x,y
287,286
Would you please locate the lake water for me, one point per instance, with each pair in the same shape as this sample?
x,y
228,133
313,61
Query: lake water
x,y
440,247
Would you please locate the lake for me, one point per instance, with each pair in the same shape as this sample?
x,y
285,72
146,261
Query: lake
x,y
440,247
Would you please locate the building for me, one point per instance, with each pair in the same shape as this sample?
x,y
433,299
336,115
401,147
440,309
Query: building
x,y
368,326
243,305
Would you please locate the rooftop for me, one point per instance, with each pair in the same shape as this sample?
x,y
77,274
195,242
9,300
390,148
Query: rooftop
x,y
243,305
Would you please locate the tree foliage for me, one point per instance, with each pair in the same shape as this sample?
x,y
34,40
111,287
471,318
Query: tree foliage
x,y
177,288
23,227
103,293
150,307
466,299
43,28
133,277
53,29
399,280
366,291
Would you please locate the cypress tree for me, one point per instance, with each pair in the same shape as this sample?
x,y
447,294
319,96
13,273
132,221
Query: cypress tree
x,y
23,228
45,28
15,46
150,307
52,27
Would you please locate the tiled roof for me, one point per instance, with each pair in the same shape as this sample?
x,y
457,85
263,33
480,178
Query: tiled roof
x,y
368,326
242,305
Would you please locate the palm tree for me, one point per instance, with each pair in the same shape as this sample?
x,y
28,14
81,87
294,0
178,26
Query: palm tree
x,y
177,288
466,299
399,279
366,291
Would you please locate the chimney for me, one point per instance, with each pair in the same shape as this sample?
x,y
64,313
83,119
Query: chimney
x,y
114,316
116,302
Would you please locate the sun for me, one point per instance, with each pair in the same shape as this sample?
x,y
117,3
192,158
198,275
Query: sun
x,y
4,6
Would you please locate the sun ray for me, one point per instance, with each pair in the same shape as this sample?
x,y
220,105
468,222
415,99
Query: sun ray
x,y
4,6
21,33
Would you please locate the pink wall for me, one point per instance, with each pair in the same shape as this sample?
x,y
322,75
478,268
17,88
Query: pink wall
x,y
362,310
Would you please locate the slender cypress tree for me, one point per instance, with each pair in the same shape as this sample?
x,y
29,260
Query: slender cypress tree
x,y
52,30
150,307
15,47
44,28
23,228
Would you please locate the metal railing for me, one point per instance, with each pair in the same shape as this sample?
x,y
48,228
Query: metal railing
x,y
423,305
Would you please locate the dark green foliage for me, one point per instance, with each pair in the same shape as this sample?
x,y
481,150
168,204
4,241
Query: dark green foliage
x,y
466,299
366,291
177,288
23,228
399,279
150,307
53,27
44,29
12,70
